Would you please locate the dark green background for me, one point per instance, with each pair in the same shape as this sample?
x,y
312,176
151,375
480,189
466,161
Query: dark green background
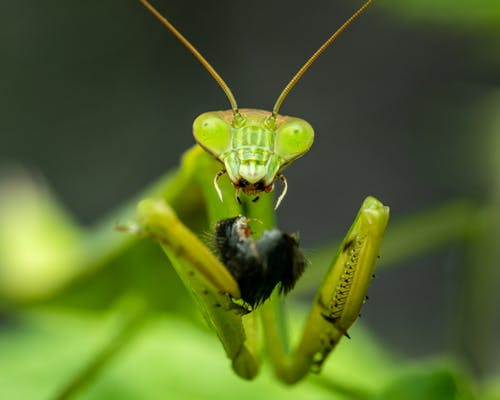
x,y
99,98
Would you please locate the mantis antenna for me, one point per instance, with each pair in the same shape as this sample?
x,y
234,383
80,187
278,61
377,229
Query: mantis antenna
x,y
196,53
314,57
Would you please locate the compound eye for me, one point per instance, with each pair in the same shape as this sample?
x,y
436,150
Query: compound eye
x,y
212,132
293,139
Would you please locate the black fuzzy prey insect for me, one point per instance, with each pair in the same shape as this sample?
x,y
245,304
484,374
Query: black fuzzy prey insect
x,y
258,265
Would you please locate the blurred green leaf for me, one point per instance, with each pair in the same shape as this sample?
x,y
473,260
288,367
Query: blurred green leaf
x,y
429,382
169,358
50,347
462,13
40,245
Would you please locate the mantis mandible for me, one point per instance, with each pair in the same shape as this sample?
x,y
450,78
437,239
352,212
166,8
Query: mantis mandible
x,y
252,147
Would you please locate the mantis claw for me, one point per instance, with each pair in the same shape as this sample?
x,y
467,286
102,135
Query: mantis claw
x,y
217,188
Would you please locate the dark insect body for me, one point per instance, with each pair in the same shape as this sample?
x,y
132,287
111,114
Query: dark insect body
x,y
258,265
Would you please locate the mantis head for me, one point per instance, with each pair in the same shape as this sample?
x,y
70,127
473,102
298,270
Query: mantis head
x,y
253,145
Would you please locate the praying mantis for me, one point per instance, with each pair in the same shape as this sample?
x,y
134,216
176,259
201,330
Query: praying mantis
x,y
252,147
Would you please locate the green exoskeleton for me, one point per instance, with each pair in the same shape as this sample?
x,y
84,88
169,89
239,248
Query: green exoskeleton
x,y
252,147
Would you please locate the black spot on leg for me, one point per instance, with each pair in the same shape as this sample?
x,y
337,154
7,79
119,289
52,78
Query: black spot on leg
x,y
347,245
332,320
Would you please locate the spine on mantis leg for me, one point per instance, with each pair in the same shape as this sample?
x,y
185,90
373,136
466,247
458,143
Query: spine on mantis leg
x,y
354,266
342,294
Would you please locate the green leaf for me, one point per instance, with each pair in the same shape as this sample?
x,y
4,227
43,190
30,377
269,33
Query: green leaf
x,y
460,13
429,382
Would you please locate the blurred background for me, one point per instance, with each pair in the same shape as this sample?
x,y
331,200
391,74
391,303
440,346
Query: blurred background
x,y
98,99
